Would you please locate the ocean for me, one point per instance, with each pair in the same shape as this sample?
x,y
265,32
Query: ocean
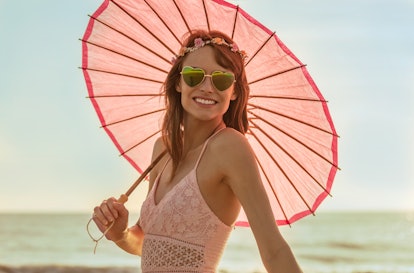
x,y
340,242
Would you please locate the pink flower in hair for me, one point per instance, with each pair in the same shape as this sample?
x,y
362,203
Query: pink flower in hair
x,y
234,47
198,42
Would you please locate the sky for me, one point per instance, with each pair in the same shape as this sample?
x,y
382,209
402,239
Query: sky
x,y
54,157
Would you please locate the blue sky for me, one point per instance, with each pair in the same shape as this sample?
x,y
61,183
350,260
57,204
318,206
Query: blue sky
x,y
54,156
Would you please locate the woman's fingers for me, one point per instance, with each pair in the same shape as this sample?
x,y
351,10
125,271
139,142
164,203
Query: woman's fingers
x,y
98,217
111,217
112,209
106,212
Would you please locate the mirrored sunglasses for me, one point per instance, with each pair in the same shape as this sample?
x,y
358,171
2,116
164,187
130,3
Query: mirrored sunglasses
x,y
195,76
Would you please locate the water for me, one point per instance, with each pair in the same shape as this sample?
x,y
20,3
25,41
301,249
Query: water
x,y
330,242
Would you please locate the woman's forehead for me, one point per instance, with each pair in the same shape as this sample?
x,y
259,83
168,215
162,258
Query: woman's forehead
x,y
204,58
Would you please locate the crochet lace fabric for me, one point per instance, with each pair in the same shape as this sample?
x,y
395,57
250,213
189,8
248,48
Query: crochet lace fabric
x,y
165,253
182,234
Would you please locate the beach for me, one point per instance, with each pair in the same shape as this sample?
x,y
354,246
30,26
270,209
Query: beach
x,y
340,242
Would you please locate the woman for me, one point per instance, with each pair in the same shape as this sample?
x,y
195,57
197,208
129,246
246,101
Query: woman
x,y
209,173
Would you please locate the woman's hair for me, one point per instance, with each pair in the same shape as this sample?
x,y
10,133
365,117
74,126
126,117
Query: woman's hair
x,y
236,115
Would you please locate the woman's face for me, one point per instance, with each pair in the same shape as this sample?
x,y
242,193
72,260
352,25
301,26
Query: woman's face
x,y
204,102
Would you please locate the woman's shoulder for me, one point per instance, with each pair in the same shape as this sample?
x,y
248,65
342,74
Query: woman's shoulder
x,y
229,143
229,135
159,147
231,155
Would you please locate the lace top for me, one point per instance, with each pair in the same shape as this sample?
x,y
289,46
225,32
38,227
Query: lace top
x,y
182,234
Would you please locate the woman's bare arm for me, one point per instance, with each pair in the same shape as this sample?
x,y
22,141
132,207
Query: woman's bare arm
x,y
243,176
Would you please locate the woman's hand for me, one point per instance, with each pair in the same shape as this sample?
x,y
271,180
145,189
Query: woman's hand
x,y
110,211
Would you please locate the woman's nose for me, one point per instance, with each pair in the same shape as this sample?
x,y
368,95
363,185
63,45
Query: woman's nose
x,y
207,84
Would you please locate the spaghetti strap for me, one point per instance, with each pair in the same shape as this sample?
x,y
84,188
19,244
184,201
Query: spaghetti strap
x,y
157,179
205,146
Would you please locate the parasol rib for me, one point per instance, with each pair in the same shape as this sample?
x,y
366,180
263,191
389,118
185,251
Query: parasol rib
x,y
288,117
286,98
136,20
182,16
290,155
120,74
278,73
139,143
124,55
272,188
123,95
282,170
131,118
260,48
205,12
235,22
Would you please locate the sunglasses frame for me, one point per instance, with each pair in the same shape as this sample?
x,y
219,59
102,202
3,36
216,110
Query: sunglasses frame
x,y
209,76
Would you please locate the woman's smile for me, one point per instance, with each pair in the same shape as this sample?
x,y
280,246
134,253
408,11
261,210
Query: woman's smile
x,y
204,101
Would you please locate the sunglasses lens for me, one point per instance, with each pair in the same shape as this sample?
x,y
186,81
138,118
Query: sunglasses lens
x,y
222,80
192,76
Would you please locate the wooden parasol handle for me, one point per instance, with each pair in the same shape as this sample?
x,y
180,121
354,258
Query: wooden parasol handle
x,y
124,197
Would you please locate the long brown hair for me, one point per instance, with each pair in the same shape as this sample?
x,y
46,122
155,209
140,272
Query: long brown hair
x,y
236,115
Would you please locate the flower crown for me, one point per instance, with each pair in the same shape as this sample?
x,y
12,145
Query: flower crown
x,y
199,43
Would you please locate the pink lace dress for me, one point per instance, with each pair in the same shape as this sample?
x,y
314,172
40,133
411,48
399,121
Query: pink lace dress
x,y
182,234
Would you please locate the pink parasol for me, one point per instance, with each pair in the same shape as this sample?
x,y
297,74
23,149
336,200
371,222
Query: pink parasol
x,y
127,50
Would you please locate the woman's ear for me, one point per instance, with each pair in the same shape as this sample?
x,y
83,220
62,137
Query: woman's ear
x,y
233,96
178,87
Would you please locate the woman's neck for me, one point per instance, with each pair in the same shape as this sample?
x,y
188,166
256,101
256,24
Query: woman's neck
x,y
197,134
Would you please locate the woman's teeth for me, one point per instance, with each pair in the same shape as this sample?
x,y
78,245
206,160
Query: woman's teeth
x,y
204,101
